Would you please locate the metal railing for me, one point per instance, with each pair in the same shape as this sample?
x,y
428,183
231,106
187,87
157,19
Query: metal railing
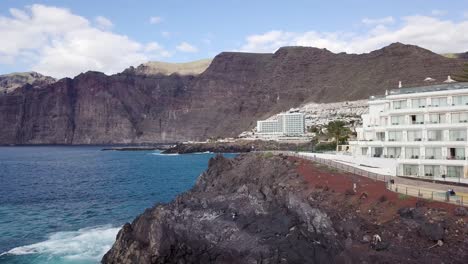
x,y
422,193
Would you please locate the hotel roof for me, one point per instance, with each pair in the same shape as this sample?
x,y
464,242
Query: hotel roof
x,y
424,89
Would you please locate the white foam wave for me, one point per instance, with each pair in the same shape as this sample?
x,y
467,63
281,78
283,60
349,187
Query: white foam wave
x,y
161,154
84,244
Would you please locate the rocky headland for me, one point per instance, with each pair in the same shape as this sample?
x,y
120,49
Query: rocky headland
x,y
260,208
238,146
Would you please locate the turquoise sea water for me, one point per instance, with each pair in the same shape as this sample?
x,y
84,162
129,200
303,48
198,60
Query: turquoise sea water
x,y
66,204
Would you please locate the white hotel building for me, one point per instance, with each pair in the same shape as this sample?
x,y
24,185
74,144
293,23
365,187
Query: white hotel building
x,y
423,129
285,124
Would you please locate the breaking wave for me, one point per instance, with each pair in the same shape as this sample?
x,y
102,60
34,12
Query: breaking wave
x,y
87,244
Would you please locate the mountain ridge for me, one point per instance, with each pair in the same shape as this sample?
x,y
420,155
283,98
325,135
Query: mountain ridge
x,y
227,98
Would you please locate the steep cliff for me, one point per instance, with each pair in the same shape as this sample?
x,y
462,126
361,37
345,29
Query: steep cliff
x,y
226,99
271,209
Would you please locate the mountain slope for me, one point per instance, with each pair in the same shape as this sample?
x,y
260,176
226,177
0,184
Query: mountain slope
x,y
167,68
12,81
227,98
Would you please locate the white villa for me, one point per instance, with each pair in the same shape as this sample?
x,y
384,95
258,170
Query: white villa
x,y
422,131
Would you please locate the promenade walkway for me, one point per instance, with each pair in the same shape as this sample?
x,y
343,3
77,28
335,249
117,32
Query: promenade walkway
x,y
417,188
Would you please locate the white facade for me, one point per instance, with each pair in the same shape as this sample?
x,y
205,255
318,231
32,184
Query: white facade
x,y
424,129
286,124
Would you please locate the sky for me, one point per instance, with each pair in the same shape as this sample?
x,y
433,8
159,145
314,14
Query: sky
x,y
62,38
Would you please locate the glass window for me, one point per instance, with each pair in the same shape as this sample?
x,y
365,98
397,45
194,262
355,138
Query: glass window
x,y
460,117
432,170
417,119
456,153
437,118
398,120
364,151
433,153
393,152
412,153
414,135
439,101
457,135
395,136
418,103
460,100
377,152
380,136
410,170
434,135
399,104
455,171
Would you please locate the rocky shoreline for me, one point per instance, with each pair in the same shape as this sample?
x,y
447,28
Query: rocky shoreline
x,y
239,146
260,208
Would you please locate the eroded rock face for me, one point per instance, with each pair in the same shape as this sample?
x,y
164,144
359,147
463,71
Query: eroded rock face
x,y
235,91
247,210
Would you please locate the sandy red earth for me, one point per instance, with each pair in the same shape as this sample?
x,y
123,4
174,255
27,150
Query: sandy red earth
x,y
377,210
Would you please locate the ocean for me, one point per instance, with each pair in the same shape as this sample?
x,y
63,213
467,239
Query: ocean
x,y
62,204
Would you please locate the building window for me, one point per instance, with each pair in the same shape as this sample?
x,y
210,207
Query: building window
x,y
418,103
432,170
395,136
455,171
460,100
377,152
417,119
457,135
399,104
433,153
415,135
437,118
460,117
364,151
412,153
410,170
393,152
439,101
380,136
434,135
456,153
398,120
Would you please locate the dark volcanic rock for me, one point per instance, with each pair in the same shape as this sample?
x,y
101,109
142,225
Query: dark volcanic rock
x,y
240,211
236,90
238,146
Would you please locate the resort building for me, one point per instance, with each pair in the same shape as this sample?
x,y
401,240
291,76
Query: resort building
x,y
285,124
423,129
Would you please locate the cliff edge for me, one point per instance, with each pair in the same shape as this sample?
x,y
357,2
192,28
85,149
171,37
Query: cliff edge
x,y
259,208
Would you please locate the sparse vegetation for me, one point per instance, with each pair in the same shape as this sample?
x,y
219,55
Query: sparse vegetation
x,y
338,131
464,76
268,155
402,196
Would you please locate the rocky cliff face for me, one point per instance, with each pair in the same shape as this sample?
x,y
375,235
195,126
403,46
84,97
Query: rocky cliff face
x,y
226,99
240,211
259,208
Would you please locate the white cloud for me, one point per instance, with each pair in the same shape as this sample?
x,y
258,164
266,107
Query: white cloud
x,y
378,21
438,12
155,20
104,23
56,42
186,47
433,33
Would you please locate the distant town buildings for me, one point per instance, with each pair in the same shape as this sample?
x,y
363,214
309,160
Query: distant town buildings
x,y
424,129
285,124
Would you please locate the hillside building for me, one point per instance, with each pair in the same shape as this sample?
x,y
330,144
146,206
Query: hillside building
x,y
423,129
285,124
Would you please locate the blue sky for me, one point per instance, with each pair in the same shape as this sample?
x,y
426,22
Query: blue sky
x,y
190,30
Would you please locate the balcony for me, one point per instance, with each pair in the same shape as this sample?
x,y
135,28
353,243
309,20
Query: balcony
x,y
413,157
456,157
